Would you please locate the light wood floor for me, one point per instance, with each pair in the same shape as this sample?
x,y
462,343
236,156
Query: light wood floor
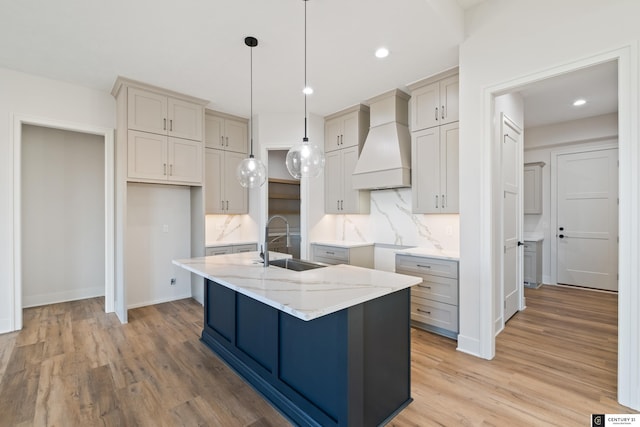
x,y
74,365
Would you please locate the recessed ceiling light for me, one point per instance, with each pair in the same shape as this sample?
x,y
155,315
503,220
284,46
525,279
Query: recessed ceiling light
x,y
382,52
308,90
579,102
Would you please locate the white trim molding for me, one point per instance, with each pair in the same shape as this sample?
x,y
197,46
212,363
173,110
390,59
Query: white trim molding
x,y
109,167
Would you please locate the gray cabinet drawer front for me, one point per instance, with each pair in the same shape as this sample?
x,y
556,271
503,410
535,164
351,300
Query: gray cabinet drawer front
x,y
221,250
252,247
441,289
330,261
331,253
427,266
434,313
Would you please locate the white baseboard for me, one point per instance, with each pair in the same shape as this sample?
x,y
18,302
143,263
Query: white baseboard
x,y
158,301
62,296
5,325
469,345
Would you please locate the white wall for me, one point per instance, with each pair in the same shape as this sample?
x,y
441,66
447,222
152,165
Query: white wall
x,y
539,143
158,231
27,95
505,47
63,244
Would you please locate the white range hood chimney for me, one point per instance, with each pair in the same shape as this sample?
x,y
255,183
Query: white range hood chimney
x,y
385,160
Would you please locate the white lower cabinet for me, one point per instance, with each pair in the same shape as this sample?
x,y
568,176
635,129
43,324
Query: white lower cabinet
x,y
223,192
532,263
361,256
434,302
231,249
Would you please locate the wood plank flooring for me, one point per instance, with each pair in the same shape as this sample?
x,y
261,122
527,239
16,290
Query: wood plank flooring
x,y
74,365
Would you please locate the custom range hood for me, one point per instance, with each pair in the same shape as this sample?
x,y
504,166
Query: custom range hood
x,y
385,160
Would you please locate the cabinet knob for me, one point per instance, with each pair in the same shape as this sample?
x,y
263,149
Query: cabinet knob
x,y
171,125
436,201
561,236
164,124
442,110
561,228
436,113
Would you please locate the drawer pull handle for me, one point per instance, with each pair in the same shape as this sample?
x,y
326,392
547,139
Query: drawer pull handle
x,y
423,266
424,311
423,286
330,253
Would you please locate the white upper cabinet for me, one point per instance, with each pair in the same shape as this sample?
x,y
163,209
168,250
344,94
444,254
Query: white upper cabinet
x,y
532,194
347,128
434,166
434,104
163,159
223,192
161,114
159,134
225,132
345,133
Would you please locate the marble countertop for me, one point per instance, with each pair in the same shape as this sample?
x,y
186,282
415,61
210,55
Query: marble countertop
x,y
431,253
342,243
235,243
306,295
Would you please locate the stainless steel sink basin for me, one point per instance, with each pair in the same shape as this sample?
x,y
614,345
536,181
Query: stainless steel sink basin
x,y
296,264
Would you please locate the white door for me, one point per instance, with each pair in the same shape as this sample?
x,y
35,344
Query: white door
x,y
587,219
511,222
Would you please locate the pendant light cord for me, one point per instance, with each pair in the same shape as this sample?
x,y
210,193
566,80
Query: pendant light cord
x,y
305,139
251,98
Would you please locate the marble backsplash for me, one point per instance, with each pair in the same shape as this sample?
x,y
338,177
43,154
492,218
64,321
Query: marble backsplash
x,y
229,228
391,222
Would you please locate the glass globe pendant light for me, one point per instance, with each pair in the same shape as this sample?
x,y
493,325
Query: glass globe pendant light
x,y
305,159
251,171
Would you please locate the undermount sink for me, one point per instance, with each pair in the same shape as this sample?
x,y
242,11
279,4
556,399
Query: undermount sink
x,y
296,264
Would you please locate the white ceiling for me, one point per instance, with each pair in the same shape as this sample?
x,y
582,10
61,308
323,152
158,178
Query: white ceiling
x,y
551,100
197,47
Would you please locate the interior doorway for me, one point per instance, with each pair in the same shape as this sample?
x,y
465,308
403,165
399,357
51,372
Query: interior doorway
x,y
283,200
107,135
63,241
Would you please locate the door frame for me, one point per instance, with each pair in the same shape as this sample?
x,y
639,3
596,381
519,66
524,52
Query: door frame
x,y
109,194
553,220
626,56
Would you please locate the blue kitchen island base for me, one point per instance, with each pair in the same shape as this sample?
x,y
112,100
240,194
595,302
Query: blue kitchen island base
x,y
349,368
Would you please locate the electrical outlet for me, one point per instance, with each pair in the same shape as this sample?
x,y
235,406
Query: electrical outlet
x,y
173,281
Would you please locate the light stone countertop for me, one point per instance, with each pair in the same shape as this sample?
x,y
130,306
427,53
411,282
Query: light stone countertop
x,y
306,295
234,243
431,253
342,243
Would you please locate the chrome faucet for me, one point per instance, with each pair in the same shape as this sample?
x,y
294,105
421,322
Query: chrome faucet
x,y
266,237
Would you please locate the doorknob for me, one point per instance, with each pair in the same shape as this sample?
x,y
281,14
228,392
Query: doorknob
x,y
520,243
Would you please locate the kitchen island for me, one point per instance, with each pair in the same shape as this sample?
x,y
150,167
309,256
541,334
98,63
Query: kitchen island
x,y
327,347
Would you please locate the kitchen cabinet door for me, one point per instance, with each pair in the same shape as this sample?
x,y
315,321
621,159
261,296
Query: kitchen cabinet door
x,y
435,104
425,170
332,134
185,119
214,181
146,111
185,161
236,136
449,172
213,132
236,196
353,201
435,170
147,157
333,182
223,192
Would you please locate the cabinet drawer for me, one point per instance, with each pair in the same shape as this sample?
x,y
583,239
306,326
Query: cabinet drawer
x,y
441,289
237,249
219,250
427,266
330,253
434,313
